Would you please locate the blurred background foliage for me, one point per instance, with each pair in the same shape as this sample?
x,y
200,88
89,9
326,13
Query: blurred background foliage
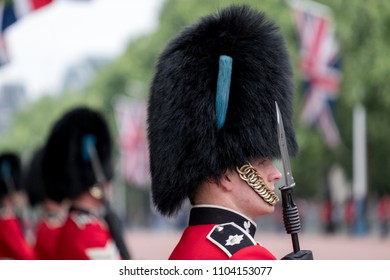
x,y
362,29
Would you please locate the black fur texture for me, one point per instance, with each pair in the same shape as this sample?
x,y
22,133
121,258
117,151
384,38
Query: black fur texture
x,y
63,166
14,163
32,179
185,146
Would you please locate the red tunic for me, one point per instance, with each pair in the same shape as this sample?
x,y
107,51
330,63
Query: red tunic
x,y
203,240
12,242
83,237
194,245
47,233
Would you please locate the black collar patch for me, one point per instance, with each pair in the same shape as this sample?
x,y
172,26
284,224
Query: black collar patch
x,y
214,215
230,238
80,210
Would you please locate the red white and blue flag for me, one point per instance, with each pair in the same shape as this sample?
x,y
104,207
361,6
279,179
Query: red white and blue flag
x,y
7,18
10,12
26,6
320,61
134,153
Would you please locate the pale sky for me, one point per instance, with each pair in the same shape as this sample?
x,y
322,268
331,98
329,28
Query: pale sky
x,y
44,43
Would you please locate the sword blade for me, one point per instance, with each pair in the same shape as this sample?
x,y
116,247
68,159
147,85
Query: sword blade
x,y
284,150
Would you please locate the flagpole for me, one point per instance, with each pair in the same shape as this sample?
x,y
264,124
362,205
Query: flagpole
x,y
359,168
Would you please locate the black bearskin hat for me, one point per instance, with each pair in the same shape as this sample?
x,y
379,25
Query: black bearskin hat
x,y
189,139
65,166
32,179
10,173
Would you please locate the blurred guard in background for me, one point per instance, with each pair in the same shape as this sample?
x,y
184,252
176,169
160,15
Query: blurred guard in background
x,y
13,244
50,206
77,162
212,129
383,212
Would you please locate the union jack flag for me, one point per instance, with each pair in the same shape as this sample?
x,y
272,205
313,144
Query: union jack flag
x,y
7,17
320,63
134,154
10,12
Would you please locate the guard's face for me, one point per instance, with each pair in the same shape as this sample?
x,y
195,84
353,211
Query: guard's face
x,y
19,199
256,193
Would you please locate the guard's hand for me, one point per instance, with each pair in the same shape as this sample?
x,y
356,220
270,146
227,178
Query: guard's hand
x,y
300,255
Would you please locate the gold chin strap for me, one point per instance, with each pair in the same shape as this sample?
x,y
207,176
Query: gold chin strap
x,y
250,175
96,192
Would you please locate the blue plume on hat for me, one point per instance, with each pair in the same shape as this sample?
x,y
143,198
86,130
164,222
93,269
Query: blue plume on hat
x,y
10,171
223,89
87,142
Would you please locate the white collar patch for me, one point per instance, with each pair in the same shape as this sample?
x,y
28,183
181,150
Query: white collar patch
x,y
234,239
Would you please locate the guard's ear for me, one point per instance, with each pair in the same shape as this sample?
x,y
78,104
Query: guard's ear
x,y
226,181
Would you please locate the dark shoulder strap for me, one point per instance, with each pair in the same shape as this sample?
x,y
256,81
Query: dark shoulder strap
x,y
230,238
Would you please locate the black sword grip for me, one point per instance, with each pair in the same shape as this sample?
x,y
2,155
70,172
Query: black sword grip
x,y
291,219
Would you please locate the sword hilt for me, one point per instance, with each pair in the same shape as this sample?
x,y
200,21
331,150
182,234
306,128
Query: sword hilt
x,y
291,219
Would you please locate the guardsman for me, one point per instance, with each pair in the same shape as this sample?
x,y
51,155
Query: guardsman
x,y
212,131
13,244
77,162
50,206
